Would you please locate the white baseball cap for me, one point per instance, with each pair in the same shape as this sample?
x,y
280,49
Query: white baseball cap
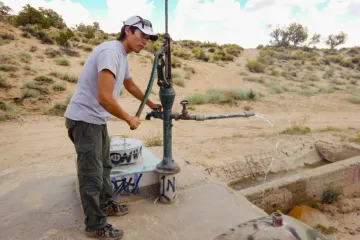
x,y
144,26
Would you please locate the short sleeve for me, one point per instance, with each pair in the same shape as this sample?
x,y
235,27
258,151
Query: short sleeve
x,y
127,72
107,59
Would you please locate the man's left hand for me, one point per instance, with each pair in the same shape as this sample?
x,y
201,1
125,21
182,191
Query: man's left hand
x,y
156,107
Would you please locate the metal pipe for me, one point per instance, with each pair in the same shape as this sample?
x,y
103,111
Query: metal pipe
x,y
181,116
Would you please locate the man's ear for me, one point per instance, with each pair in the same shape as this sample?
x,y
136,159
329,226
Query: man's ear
x,y
127,30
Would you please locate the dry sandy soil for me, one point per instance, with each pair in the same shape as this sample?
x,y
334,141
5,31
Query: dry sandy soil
x,y
35,145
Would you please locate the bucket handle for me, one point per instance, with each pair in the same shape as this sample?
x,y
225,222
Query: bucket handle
x,y
118,135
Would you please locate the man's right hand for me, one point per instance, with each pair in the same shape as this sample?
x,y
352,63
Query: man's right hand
x,y
133,122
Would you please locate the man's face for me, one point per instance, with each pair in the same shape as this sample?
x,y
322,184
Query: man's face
x,y
137,41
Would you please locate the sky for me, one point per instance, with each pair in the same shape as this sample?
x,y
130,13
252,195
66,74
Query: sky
x,y
244,22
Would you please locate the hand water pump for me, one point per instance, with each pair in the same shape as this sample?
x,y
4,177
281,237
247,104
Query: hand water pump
x,y
167,168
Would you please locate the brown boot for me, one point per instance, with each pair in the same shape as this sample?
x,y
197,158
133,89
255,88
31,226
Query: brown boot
x,y
107,232
115,209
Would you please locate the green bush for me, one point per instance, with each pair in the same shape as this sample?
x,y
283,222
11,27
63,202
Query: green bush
x,y
51,53
3,106
347,63
33,48
200,54
43,79
182,54
59,87
255,66
62,62
3,83
276,87
233,49
274,72
25,57
8,68
219,96
63,37
44,17
331,195
355,99
175,62
7,36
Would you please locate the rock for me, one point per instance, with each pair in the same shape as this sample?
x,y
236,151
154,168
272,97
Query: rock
x,y
334,152
309,216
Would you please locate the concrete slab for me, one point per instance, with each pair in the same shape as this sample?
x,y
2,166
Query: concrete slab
x,y
202,212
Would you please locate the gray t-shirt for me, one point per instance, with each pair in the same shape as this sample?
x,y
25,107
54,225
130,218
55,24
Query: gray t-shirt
x,y
84,104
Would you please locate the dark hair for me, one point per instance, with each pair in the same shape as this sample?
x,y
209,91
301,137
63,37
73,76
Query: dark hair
x,y
123,34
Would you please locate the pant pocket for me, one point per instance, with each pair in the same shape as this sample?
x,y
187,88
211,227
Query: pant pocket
x,y
88,161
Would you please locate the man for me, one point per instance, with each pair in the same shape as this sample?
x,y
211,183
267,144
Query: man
x,y
94,100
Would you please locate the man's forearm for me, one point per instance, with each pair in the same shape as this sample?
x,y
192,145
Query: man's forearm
x,y
113,107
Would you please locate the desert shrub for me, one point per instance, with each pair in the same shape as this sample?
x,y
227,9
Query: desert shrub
x,y
333,59
276,87
182,54
177,79
200,54
189,71
255,66
196,99
30,93
63,37
36,86
8,68
355,99
211,50
190,43
43,79
44,17
233,49
7,36
3,106
58,109
274,72
222,55
175,62
68,78
356,59
25,35
59,87
219,96
152,46
297,128
331,195
153,140
33,48
209,44
307,92
329,73
7,59
254,79
70,52
25,57
45,38
86,48
347,63
51,53
62,62
312,77
260,46
3,83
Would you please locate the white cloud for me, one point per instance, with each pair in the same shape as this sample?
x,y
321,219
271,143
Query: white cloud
x,y
72,13
225,22
120,10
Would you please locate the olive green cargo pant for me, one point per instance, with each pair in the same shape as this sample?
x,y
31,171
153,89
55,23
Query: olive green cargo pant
x,y
92,147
